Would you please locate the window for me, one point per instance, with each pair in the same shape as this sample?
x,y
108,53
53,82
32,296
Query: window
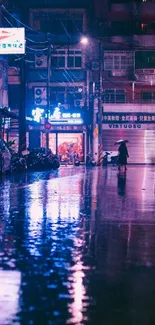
x,y
74,94
70,61
148,28
57,95
145,59
66,95
109,96
58,62
67,59
124,62
120,96
114,96
121,27
118,61
74,59
58,23
148,96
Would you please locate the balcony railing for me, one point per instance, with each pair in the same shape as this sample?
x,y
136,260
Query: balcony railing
x,y
130,101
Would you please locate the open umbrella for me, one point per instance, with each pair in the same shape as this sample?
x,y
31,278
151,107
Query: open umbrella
x,y
121,141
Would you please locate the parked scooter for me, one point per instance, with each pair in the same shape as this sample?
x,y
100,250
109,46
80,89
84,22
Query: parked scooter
x,y
110,158
77,162
18,163
90,161
42,159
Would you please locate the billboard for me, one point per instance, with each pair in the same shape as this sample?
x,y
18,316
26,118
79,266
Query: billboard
x,y
12,41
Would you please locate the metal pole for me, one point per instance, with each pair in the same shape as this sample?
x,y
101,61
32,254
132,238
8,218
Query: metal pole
x,y
1,127
48,87
1,119
100,148
22,109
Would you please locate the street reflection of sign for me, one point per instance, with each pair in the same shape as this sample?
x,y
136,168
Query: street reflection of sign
x,y
131,118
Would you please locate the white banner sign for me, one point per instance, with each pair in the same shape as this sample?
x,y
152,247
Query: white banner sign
x,y
12,41
129,126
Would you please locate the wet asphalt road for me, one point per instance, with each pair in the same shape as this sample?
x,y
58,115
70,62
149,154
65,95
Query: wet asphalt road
x,y
77,247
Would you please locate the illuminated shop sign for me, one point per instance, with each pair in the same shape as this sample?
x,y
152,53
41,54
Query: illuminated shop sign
x,y
58,117
12,40
37,114
128,126
130,118
61,118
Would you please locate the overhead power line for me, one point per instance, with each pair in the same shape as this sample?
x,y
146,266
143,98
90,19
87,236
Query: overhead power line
x,y
68,35
32,49
67,32
26,26
36,50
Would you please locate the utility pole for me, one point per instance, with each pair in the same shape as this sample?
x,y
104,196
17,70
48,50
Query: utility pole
x,y
1,128
48,86
100,145
22,108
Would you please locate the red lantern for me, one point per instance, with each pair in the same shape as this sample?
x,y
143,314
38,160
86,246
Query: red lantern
x,y
47,126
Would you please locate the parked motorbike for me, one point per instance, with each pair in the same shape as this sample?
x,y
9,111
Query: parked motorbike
x,y
42,159
55,162
110,158
90,161
77,162
18,163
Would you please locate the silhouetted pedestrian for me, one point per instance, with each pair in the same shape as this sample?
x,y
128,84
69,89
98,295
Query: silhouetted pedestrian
x,y
123,155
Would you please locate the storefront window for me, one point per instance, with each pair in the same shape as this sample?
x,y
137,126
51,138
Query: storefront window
x,y
69,146
52,141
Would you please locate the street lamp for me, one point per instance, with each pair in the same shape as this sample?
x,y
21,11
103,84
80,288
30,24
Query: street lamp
x,y
48,84
85,41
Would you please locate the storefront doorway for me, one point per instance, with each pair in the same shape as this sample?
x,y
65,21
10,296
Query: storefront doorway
x,y
66,145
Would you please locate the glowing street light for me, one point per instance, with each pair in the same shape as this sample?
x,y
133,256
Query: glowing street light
x,y
84,40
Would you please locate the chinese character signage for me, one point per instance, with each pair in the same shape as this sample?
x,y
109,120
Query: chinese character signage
x,y
128,118
60,118
12,41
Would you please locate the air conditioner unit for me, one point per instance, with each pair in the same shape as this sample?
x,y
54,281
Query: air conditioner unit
x,y
40,96
78,103
40,61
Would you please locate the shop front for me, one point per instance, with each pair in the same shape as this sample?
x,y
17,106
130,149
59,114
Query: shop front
x,y
137,128
66,135
66,144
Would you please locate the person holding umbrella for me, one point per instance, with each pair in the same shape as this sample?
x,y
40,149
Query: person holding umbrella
x,y
123,153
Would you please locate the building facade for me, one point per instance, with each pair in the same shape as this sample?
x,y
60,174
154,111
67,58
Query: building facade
x,y
56,75
127,30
